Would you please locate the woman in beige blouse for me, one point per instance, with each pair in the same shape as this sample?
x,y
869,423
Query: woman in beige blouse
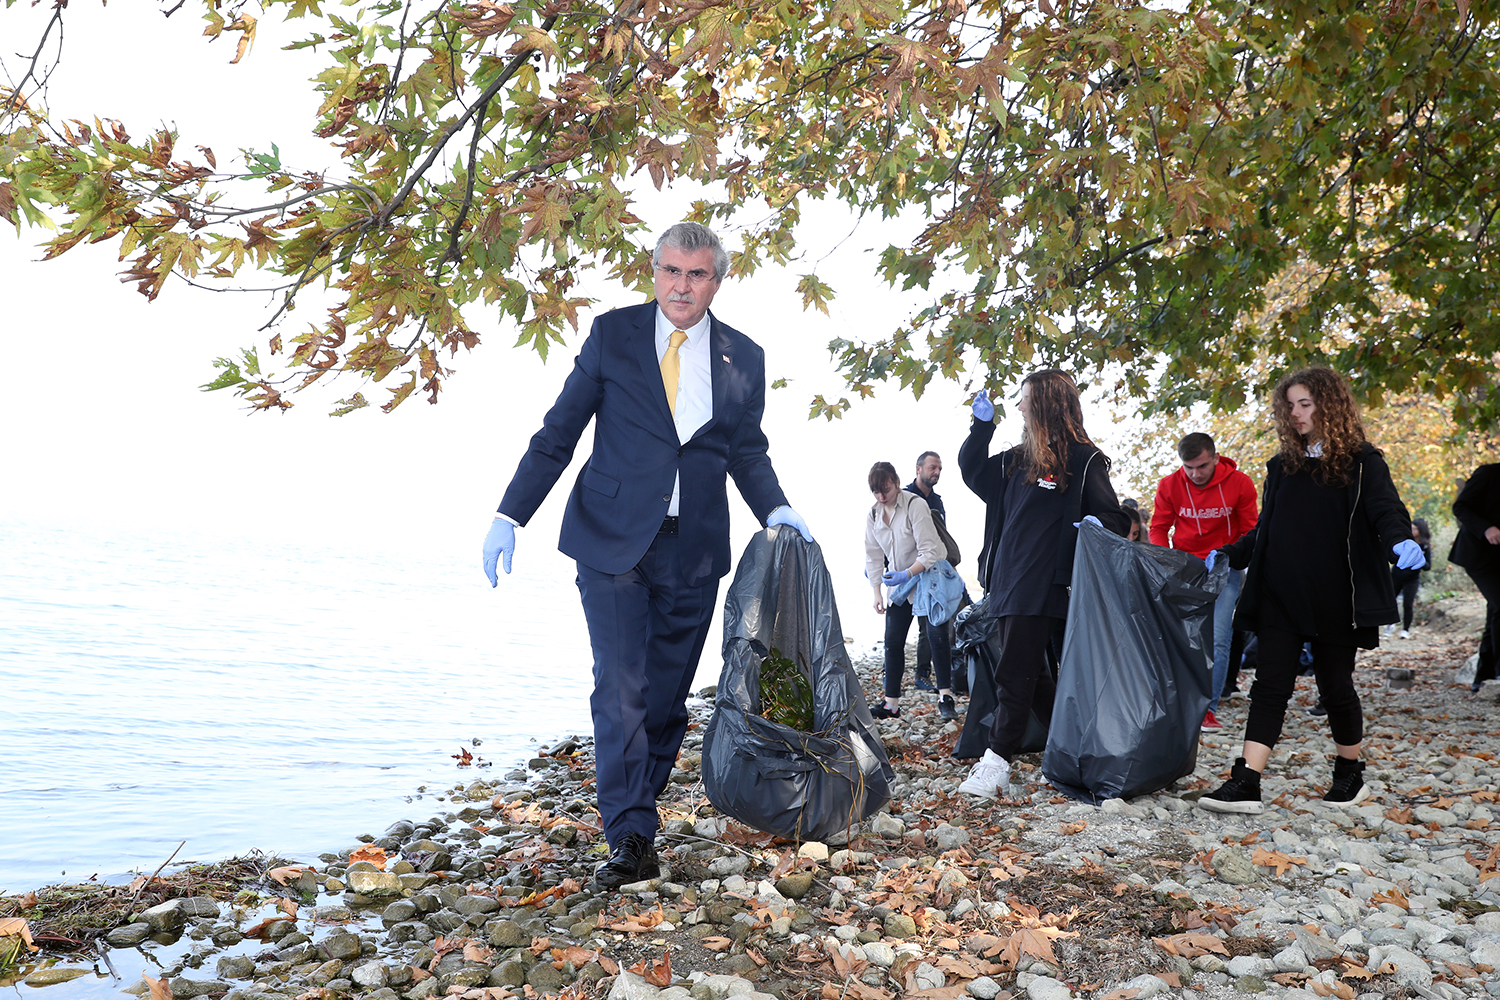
x,y
900,543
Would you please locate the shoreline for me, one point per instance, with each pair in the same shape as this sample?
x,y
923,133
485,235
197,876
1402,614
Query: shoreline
x,y
940,897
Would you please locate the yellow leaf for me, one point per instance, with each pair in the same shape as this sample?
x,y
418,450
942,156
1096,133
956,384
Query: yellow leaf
x,y
16,927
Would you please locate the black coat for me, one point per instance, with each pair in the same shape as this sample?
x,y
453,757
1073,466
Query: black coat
x,y
1378,521
1089,492
1477,508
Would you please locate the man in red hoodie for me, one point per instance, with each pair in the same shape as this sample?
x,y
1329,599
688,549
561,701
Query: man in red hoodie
x,y
1205,505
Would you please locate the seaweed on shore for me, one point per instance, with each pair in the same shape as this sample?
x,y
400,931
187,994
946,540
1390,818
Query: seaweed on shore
x,y
785,695
68,917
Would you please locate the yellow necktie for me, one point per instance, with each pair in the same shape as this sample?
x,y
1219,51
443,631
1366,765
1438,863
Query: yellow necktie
x,y
671,368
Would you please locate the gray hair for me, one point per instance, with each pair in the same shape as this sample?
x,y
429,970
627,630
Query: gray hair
x,y
693,236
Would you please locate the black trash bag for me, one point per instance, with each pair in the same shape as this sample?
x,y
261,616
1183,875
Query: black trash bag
x,y
802,786
1136,670
978,649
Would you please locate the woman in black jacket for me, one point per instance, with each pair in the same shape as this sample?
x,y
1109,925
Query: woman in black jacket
x,y
1319,573
1034,494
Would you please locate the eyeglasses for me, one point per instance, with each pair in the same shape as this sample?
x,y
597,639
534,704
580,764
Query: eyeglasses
x,y
696,276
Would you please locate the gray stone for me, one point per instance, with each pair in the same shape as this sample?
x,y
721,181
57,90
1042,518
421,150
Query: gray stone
x,y
183,989
341,946
1146,985
166,916
1232,865
718,988
1361,852
545,979
56,974
128,935
471,906
1316,947
398,912
198,906
1047,988
1292,959
1487,921
629,986
983,988
374,883
1411,970
510,973
887,826
507,934
1250,965
1250,984
928,977
733,864
899,925
881,954
795,885
950,838
331,970
235,967
371,975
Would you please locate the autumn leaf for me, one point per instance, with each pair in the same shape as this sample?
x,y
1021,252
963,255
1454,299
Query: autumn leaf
x,y
17,927
283,875
476,952
716,942
1275,859
259,930
368,852
639,923
1068,829
287,906
1191,945
1341,990
657,973
161,989
27,900
1395,896
540,944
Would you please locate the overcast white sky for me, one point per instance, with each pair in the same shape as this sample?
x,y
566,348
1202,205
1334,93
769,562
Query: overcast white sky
x,y
106,425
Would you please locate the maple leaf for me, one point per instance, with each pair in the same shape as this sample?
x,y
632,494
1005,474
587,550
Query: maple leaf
x,y
1069,829
17,927
716,942
657,973
1275,859
287,906
1191,945
161,989
476,952
281,876
639,923
368,852
1394,896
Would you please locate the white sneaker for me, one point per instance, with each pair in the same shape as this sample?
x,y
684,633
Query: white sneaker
x,y
987,777
1390,630
1405,634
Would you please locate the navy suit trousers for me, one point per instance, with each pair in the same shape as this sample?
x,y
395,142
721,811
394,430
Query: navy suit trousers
x,y
647,628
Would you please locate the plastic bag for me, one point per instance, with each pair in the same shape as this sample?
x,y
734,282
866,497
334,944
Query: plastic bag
x,y
802,786
1136,668
977,648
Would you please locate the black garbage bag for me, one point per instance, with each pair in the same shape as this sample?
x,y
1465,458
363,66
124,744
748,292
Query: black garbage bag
x,y
1136,668
977,647
799,785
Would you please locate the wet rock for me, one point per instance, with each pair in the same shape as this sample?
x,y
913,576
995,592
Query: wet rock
x,y
128,935
545,979
166,916
329,971
507,934
471,906
629,986
1250,984
370,975
235,967
185,989
887,826
56,974
374,883
399,911
341,946
509,973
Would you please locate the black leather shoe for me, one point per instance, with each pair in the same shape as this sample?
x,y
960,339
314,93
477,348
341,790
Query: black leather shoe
x,y
632,860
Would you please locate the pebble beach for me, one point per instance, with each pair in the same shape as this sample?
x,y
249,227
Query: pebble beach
x,y
941,896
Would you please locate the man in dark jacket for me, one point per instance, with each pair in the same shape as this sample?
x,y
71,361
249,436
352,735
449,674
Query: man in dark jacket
x,y
1477,550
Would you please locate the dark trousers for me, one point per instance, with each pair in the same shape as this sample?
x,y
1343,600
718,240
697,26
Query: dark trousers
x,y
1276,672
1236,657
897,624
647,629
1023,684
1488,582
1406,582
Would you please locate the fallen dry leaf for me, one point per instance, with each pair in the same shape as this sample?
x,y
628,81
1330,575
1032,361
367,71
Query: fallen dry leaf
x,y
1275,859
284,874
639,923
259,929
1341,990
716,943
16,927
1395,897
657,973
540,944
161,989
1069,829
476,952
1191,945
27,900
286,905
374,855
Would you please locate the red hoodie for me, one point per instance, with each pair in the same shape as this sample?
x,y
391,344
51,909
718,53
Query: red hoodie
x,y
1207,517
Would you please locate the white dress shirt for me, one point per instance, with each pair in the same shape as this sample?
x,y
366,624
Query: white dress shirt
x,y
695,386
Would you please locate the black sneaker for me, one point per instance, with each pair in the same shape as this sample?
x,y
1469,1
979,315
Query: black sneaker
x,y
880,711
1240,794
924,683
1319,709
1348,786
946,708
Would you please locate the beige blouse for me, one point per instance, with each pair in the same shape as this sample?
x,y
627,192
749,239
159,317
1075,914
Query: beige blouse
x,y
910,537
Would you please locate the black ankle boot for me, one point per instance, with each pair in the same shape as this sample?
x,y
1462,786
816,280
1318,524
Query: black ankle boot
x,y
1240,794
1348,786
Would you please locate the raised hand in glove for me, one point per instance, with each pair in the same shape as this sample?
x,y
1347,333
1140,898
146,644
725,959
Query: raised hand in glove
x,y
982,407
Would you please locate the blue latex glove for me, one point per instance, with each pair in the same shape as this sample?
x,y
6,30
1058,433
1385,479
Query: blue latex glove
x,y
1408,554
982,407
1210,559
785,515
501,539
895,578
1091,519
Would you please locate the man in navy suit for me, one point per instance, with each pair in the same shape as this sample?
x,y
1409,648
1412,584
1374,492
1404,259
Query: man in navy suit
x,y
676,398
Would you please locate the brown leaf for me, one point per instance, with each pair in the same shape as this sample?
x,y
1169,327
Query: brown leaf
x,y
17,927
287,906
639,923
259,929
161,989
283,875
540,944
1462,971
1395,896
476,952
27,900
370,853
1402,816
788,858
1068,829
716,943
1191,945
658,973
610,965
1275,859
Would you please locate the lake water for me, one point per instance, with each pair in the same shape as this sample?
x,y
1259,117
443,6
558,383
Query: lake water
x,y
241,696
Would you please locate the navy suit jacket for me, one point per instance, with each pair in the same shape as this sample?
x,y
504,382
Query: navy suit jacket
x,y
622,494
